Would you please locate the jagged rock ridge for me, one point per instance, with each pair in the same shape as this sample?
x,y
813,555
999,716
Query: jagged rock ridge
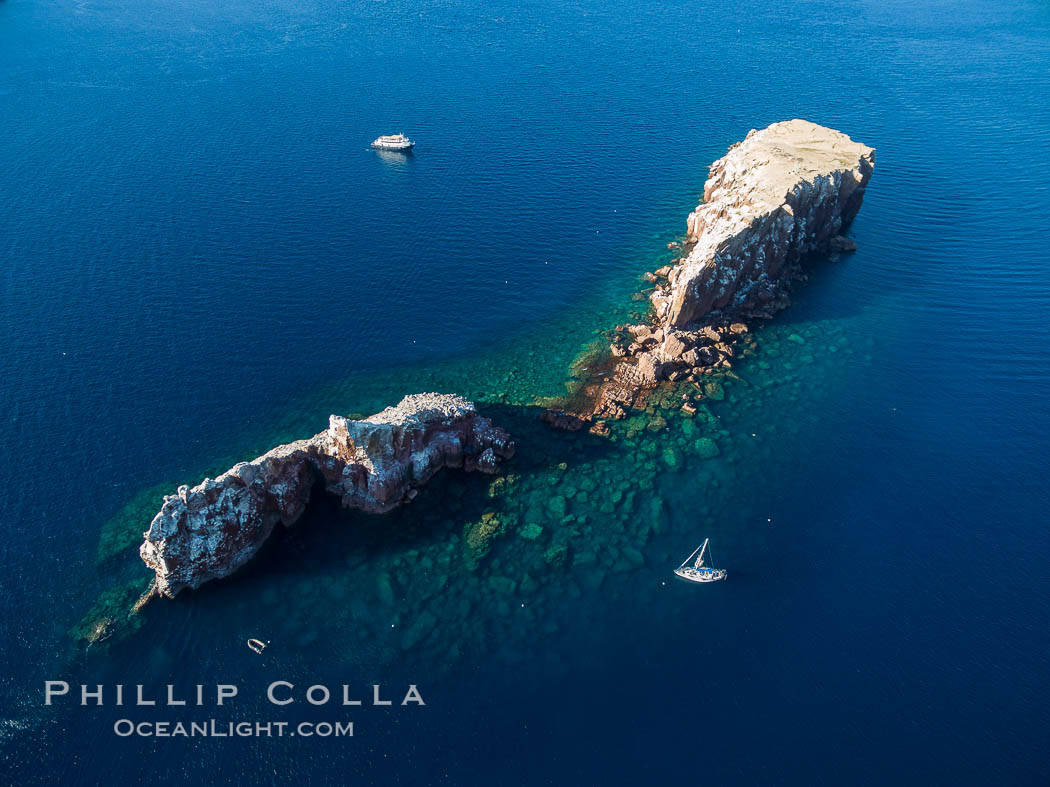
x,y
374,464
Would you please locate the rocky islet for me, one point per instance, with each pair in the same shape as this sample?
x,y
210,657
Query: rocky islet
x,y
693,355
784,192
374,464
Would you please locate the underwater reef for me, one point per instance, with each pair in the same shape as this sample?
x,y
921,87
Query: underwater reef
x,y
374,464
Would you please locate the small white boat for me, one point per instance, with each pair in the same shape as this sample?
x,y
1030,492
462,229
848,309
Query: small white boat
x,y
698,572
393,142
257,645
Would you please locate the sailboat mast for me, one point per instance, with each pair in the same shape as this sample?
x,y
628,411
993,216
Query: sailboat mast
x,y
694,552
703,548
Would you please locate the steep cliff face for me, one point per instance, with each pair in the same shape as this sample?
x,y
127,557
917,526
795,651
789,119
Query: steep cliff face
x,y
784,191
375,464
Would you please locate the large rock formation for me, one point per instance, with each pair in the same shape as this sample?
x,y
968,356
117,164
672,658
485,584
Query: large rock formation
x,y
375,464
785,191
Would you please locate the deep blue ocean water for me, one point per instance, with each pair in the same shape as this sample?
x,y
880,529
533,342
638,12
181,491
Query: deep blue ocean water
x,y
201,257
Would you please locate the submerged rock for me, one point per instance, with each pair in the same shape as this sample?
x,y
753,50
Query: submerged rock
x,y
479,535
502,485
714,390
374,464
706,448
124,529
385,589
657,423
556,556
531,531
113,614
557,506
632,557
419,630
503,585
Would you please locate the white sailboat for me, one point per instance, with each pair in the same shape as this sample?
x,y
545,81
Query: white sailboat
x,y
698,572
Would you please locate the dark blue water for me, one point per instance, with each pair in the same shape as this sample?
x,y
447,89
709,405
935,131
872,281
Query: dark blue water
x,y
201,257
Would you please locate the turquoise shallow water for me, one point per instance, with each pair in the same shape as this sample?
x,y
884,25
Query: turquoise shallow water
x,y
202,258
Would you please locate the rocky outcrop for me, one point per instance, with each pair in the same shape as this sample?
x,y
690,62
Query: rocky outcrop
x,y
375,464
788,190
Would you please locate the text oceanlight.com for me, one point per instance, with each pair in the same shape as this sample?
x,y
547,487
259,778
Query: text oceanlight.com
x,y
242,729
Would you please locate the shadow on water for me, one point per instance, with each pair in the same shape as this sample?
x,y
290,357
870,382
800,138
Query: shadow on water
x,y
823,274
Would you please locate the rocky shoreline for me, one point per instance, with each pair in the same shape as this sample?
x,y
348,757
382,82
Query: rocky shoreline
x,y
784,192
374,465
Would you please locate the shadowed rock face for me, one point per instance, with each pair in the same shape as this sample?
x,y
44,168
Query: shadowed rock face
x,y
375,464
784,191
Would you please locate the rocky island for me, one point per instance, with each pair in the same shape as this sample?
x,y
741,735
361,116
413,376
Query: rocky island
x,y
786,191
374,464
